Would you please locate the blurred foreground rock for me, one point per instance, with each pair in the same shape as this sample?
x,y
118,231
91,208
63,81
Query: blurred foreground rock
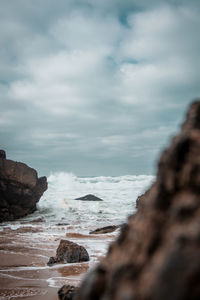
x,y
20,189
69,252
157,254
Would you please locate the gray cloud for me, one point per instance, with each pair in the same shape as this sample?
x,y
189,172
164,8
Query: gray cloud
x,y
95,88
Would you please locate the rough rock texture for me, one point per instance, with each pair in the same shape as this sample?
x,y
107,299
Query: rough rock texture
x,y
69,252
20,189
157,254
106,229
89,198
67,292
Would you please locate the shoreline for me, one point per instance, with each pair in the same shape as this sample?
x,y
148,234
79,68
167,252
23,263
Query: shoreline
x,y
25,248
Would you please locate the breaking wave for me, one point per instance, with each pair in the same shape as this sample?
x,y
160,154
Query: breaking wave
x,y
119,195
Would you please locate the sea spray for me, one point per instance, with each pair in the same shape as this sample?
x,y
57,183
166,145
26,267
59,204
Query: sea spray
x,y
119,195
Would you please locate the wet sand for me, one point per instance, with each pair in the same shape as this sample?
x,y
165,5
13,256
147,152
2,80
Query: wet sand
x,y
25,251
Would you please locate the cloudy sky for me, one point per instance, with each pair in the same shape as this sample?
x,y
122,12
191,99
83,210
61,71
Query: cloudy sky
x,y
95,87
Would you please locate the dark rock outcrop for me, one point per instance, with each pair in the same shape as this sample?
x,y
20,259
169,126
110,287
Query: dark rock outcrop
x,y
69,252
157,254
2,154
67,292
89,197
107,229
20,189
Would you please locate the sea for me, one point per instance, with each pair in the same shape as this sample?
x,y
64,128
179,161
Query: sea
x,y
27,244
119,196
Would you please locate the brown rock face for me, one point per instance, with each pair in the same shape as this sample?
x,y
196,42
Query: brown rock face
x,y
69,252
157,254
20,189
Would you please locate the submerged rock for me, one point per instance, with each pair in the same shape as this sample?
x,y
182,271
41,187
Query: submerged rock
x,y
62,224
69,252
67,292
89,197
157,254
106,229
20,189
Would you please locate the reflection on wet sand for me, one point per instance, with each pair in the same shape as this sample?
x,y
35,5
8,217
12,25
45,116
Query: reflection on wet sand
x,y
24,252
87,236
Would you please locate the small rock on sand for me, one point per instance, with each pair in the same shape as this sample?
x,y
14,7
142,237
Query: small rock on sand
x,y
69,252
67,292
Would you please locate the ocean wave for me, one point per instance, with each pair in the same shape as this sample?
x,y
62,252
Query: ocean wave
x,y
119,194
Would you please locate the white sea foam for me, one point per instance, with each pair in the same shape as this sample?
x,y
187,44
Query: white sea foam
x,y
119,195
57,282
46,267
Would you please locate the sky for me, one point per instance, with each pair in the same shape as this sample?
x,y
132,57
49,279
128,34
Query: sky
x,y
95,87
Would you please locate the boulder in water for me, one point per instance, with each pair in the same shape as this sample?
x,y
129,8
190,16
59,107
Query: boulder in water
x,y
20,189
107,229
69,252
89,197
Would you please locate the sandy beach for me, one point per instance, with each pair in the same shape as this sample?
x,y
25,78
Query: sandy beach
x,y
25,250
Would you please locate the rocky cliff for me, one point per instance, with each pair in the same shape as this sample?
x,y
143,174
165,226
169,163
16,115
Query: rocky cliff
x,y
157,254
20,189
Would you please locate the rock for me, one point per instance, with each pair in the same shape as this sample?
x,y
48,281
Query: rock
x,y
157,254
52,261
142,198
2,154
20,189
106,229
89,198
67,292
69,252
38,220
